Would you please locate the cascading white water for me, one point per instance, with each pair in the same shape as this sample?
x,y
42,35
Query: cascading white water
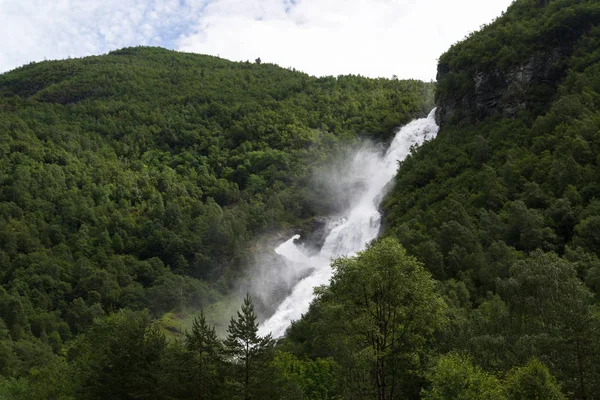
x,y
360,226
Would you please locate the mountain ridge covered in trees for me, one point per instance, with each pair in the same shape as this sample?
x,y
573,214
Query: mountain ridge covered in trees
x,y
139,180
502,207
502,210
484,285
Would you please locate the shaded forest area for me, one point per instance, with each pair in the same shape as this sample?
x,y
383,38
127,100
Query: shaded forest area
x,y
139,180
485,283
504,206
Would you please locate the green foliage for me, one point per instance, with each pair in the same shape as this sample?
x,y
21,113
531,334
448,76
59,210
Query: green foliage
x,y
305,379
13,389
532,381
118,357
134,183
140,179
378,317
454,377
125,356
250,353
529,30
508,207
206,352
553,317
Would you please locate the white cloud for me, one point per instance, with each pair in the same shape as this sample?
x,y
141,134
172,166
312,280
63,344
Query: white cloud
x,y
321,37
332,37
36,29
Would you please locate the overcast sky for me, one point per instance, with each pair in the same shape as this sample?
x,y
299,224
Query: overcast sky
x,y
321,37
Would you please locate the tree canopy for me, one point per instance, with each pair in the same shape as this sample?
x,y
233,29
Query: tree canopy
x,y
140,179
136,183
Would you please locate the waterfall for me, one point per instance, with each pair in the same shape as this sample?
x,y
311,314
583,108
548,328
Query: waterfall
x,y
360,225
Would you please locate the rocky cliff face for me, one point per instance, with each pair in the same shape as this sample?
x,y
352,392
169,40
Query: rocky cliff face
x,y
516,63
503,91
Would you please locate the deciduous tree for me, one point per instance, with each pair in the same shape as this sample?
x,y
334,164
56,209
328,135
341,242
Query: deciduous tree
x,y
383,307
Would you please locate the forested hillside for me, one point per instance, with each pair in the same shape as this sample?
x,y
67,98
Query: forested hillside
x,y
139,179
503,209
504,206
134,183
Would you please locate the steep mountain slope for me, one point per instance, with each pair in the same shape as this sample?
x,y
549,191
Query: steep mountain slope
x,y
514,171
503,209
516,64
139,178
523,173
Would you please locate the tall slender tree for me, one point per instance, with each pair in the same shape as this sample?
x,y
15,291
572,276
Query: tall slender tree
x,y
250,353
205,352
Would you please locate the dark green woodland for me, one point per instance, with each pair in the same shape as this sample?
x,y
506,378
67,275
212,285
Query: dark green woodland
x,y
138,184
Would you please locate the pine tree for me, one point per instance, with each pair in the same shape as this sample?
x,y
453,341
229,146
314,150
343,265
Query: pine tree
x,y
205,352
250,352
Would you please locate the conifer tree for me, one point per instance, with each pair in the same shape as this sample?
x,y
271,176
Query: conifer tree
x,y
250,352
205,352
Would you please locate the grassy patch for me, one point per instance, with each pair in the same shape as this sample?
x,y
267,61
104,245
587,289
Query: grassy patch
x,y
174,324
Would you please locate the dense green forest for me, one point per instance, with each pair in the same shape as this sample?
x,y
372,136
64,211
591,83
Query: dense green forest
x,y
503,210
135,183
504,206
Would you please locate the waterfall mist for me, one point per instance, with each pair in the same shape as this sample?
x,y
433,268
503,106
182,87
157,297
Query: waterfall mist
x,y
284,284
